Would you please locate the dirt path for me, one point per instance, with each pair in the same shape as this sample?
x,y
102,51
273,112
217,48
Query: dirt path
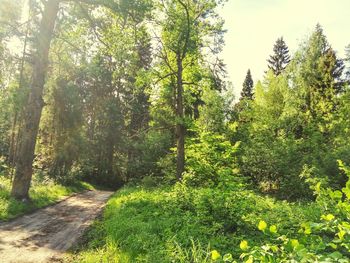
x,y
43,235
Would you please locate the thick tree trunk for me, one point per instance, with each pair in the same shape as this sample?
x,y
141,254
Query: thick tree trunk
x,y
180,125
14,136
33,109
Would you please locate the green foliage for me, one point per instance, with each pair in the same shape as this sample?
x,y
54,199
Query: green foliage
x,y
186,224
324,240
150,153
280,59
210,161
273,122
248,85
116,101
149,181
196,253
347,60
214,111
317,72
61,131
296,119
208,211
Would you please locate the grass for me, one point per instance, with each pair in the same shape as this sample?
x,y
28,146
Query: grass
x,y
41,193
160,225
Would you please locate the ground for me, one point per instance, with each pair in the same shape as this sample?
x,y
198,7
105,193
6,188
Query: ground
x,y
45,234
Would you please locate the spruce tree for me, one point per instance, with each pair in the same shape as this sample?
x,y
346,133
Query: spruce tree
x,y
320,76
248,84
347,59
280,59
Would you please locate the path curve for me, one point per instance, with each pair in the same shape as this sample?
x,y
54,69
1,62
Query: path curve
x,y
45,234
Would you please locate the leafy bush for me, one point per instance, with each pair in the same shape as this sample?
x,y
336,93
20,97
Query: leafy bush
x,y
324,240
210,161
185,224
149,181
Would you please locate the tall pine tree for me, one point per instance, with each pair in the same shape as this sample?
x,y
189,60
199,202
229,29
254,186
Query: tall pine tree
x,y
248,84
280,59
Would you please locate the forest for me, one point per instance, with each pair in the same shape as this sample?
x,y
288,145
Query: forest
x,y
134,97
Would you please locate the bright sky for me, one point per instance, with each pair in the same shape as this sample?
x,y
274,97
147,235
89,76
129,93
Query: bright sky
x,y
254,25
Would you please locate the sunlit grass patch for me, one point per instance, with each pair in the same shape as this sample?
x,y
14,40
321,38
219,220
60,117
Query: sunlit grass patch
x,y
160,225
42,193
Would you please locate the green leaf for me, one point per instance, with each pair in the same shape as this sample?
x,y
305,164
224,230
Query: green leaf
x,y
262,225
227,258
243,245
274,248
215,255
328,217
341,234
346,191
294,243
273,229
337,195
336,255
332,245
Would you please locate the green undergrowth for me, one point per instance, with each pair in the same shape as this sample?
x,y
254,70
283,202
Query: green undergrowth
x,y
42,193
182,224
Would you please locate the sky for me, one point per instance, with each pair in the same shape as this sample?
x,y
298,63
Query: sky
x,y
254,25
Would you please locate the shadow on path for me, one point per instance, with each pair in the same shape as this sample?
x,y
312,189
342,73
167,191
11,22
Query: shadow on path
x,y
43,235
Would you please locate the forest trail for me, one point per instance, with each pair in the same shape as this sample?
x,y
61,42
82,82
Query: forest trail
x,y
45,234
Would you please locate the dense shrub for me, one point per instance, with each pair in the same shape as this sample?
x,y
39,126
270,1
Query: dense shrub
x,y
324,240
210,161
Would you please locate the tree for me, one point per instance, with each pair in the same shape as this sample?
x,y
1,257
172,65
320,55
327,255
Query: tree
x,y
248,85
212,112
35,102
40,60
280,59
12,77
137,102
187,29
116,111
318,72
347,59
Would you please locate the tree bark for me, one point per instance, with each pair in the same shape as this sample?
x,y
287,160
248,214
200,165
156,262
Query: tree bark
x,y
180,125
14,136
33,109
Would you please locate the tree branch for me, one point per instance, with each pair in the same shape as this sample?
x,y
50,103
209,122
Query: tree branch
x,y
91,21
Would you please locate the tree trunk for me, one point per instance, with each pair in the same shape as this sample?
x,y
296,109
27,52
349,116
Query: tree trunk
x,y
33,109
11,159
14,136
180,125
